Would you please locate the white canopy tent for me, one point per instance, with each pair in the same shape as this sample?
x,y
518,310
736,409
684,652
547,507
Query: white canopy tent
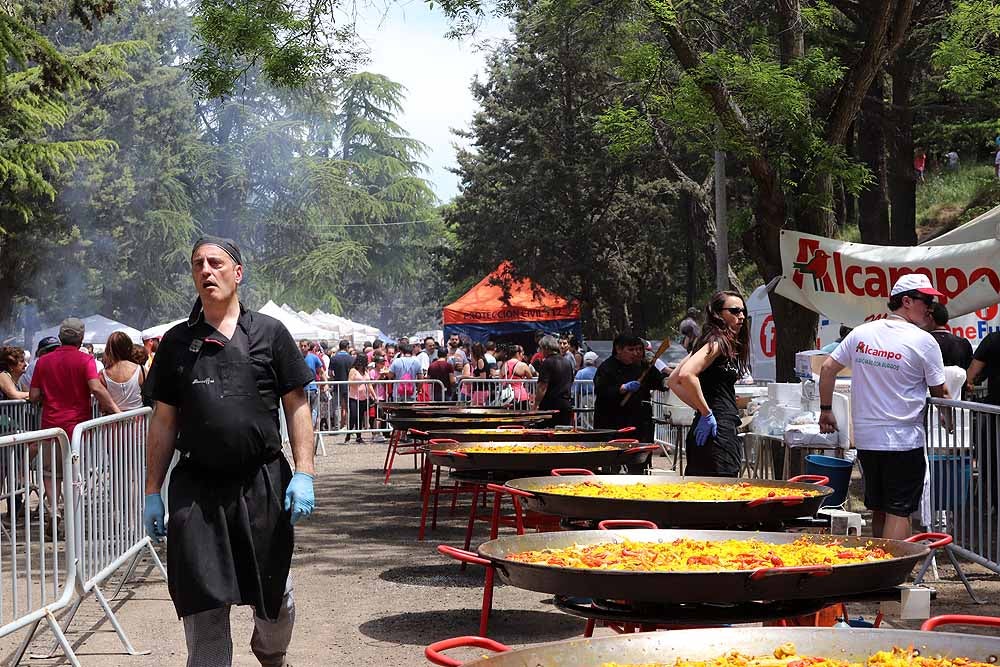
x,y
97,328
160,329
296,326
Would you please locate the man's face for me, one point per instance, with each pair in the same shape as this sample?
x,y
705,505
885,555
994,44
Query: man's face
x,y
917,309
563,345
453,342
430,345
630,354
303,348
215,274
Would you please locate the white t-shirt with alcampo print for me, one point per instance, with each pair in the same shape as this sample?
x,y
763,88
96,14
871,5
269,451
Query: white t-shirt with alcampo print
x,y
892,362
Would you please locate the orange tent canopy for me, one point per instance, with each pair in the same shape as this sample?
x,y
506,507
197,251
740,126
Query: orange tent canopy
x,y
484,304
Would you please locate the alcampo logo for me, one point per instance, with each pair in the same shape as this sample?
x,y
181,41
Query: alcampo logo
x,y
865,348
834,272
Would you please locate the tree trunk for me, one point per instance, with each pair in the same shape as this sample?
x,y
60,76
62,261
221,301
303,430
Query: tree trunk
x,y
873,205
687,222
850,200
902,177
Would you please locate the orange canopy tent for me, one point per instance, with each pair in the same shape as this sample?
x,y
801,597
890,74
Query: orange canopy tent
x,y
482,313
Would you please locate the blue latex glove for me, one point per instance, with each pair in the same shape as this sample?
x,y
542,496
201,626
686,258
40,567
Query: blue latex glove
x,y
299,497
632,387
707,427
152,517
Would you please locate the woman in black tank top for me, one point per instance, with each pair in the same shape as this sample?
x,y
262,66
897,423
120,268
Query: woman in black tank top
x,y
706,380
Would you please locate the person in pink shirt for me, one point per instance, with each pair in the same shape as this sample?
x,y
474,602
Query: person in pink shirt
x,y
63,381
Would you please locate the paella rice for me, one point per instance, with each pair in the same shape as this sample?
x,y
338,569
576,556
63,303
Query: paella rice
x,y
687,555
673,491
535,448
786,656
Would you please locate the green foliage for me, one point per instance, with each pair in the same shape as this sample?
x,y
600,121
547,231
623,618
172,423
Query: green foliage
x,y
288,44
970,53
950,198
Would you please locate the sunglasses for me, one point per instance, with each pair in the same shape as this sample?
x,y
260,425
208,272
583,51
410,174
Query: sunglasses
x,y
737,311
928,300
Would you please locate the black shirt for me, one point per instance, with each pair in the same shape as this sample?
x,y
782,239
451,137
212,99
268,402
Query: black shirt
x,y
955,351
340,366
226,391
988,352
558,377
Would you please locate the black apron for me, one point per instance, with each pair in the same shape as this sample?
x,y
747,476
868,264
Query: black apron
x,y
229,539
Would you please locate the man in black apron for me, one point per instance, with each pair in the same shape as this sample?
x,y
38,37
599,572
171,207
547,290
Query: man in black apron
x,y
617,378
216,381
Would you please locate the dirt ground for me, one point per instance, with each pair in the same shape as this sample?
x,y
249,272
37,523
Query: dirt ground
x,y
367,592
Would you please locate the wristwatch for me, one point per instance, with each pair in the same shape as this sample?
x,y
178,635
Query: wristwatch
x,y
825,408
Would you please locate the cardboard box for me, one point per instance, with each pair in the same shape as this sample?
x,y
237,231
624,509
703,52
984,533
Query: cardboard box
x,y
810,362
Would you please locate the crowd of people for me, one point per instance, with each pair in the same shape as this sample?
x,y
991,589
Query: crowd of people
x,y
64,372
353,380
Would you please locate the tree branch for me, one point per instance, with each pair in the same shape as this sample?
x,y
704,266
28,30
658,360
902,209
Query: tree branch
x,y
885,15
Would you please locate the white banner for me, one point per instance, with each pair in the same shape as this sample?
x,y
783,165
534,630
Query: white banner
x,y
850,282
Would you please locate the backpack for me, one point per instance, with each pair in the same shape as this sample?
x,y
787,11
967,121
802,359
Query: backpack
x,y
505,397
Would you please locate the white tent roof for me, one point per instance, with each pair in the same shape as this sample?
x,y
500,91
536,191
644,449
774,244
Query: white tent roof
x,y
96,330
986,226
296,326
160,329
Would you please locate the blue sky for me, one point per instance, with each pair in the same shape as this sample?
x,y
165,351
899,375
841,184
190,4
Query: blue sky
x,y
408,44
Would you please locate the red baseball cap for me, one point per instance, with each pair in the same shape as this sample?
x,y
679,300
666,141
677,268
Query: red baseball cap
x,y
914,282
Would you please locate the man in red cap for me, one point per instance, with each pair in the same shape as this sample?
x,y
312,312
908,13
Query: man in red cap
x,y
894,362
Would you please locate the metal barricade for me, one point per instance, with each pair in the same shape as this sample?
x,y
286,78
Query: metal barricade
x,y
519,393
347,408
964,469
19,416
109,467
492,392
669,436
38,560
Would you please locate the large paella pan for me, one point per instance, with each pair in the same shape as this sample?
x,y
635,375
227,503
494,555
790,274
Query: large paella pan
x,y
702,582
430,422
687,502
524,434
538,455
677,647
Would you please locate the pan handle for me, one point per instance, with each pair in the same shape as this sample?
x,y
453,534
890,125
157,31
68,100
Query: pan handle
x,y
808,570
959,619
417,431
787,501
938,539
559,472
626,429
510,427
442,441
463,555
610,524
623,441
820,480
497,488
640,448
461,455
433,653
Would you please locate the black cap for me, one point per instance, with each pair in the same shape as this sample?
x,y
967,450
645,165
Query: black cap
x,y
47,343
226,244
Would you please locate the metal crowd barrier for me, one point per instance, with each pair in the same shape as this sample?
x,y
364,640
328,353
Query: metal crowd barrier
x,y
338,409
483,392
19,416
964,468
38,559
109,467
